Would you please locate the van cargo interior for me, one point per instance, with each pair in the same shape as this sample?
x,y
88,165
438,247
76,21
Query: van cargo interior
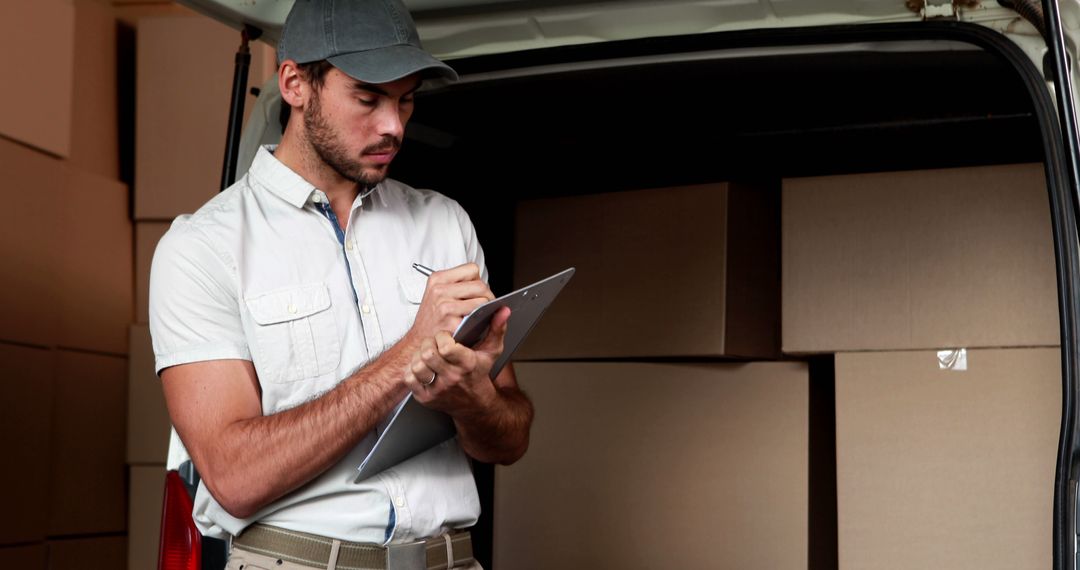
x,y
493,141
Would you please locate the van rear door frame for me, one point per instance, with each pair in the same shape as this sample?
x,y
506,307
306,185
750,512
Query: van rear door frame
x,y
1066,507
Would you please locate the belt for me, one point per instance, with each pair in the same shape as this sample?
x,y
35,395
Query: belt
x,y
314,550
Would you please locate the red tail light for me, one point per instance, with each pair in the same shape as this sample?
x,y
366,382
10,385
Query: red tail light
x,y
181,542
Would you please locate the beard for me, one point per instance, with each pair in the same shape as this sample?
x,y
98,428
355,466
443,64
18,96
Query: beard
x,y
332,151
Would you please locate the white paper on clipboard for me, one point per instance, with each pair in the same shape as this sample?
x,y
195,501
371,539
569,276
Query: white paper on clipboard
x,y
413,428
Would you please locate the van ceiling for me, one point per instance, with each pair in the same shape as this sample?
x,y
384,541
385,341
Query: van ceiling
x,y
703,121
459,28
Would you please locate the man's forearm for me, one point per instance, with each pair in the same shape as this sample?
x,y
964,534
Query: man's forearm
x,y
501,433
258,460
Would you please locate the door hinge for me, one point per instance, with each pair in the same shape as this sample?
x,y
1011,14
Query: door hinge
x,y
936,9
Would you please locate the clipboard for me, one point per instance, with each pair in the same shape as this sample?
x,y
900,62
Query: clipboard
x,y
412,428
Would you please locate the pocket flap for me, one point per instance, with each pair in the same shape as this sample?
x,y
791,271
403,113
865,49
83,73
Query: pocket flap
x,y
413,286
288,304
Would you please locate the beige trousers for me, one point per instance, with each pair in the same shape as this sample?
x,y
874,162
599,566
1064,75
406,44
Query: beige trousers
x,y
240,559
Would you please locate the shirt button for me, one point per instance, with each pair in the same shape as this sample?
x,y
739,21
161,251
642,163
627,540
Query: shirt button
x,y
292,308
366,309
348,246
315,198
399,501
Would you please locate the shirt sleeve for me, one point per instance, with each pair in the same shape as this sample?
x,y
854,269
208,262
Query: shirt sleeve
x,y
194,310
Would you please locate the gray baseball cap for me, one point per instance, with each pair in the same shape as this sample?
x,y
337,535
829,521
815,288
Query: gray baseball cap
x,y
374,41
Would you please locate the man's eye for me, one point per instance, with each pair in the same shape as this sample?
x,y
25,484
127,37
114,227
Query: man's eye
x,y
367,102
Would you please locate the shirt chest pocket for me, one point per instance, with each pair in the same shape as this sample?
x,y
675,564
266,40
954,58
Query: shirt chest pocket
x,y
296,334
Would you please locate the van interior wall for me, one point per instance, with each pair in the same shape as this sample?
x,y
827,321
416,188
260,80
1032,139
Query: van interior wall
x,y
491,144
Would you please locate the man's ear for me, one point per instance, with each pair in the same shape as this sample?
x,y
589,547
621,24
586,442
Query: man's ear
x,y
294,90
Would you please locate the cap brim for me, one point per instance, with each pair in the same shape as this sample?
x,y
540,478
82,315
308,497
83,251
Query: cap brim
x,y
386,64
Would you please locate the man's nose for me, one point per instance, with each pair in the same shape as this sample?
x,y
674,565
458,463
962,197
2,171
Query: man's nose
x,y
391,120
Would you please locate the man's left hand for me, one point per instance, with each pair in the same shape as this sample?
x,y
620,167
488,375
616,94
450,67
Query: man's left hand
x,y
462,385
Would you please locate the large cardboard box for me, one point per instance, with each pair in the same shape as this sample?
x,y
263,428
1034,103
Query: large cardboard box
x,y
95,124
144,515
29,241
30,557
148,423
39,113
25,427
94,263
129,12
73,288
170,116
180,131
939,468
923,259
658,466
99,553
147,235
87,470
684,271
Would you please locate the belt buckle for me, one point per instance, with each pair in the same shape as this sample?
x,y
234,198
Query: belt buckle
x,y
407,556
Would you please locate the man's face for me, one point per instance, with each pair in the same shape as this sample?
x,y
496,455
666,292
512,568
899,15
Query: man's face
x,y
356,128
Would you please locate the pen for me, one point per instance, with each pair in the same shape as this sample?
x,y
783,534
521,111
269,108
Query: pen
x,y
425,271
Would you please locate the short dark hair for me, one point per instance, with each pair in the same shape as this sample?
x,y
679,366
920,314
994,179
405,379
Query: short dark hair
x,y
315,72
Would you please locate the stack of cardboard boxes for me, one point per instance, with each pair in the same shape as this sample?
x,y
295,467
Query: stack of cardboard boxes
x,y
646,462
943,460
66,246
79,265
180,140
646,454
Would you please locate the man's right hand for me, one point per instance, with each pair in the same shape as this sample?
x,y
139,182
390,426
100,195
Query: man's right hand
x,y
450,295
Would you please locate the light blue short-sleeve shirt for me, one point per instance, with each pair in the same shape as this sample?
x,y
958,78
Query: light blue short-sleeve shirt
x,y
262,273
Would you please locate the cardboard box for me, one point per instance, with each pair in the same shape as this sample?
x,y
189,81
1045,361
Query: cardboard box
x,y
129,12
87,471
40,113
147,235
95,124
28,241
180,132
31,557
949,469
924,259
144,515
102,553
148,424
658,466
28,389
170,116
685,271
73,288
95,260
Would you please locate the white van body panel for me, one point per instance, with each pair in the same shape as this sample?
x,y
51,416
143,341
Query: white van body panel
x,y
453,29
460,28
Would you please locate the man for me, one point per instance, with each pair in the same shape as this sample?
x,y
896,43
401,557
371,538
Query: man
x,y
288,321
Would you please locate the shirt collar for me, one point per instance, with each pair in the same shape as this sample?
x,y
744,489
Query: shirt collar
x,y
279,179
285,183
